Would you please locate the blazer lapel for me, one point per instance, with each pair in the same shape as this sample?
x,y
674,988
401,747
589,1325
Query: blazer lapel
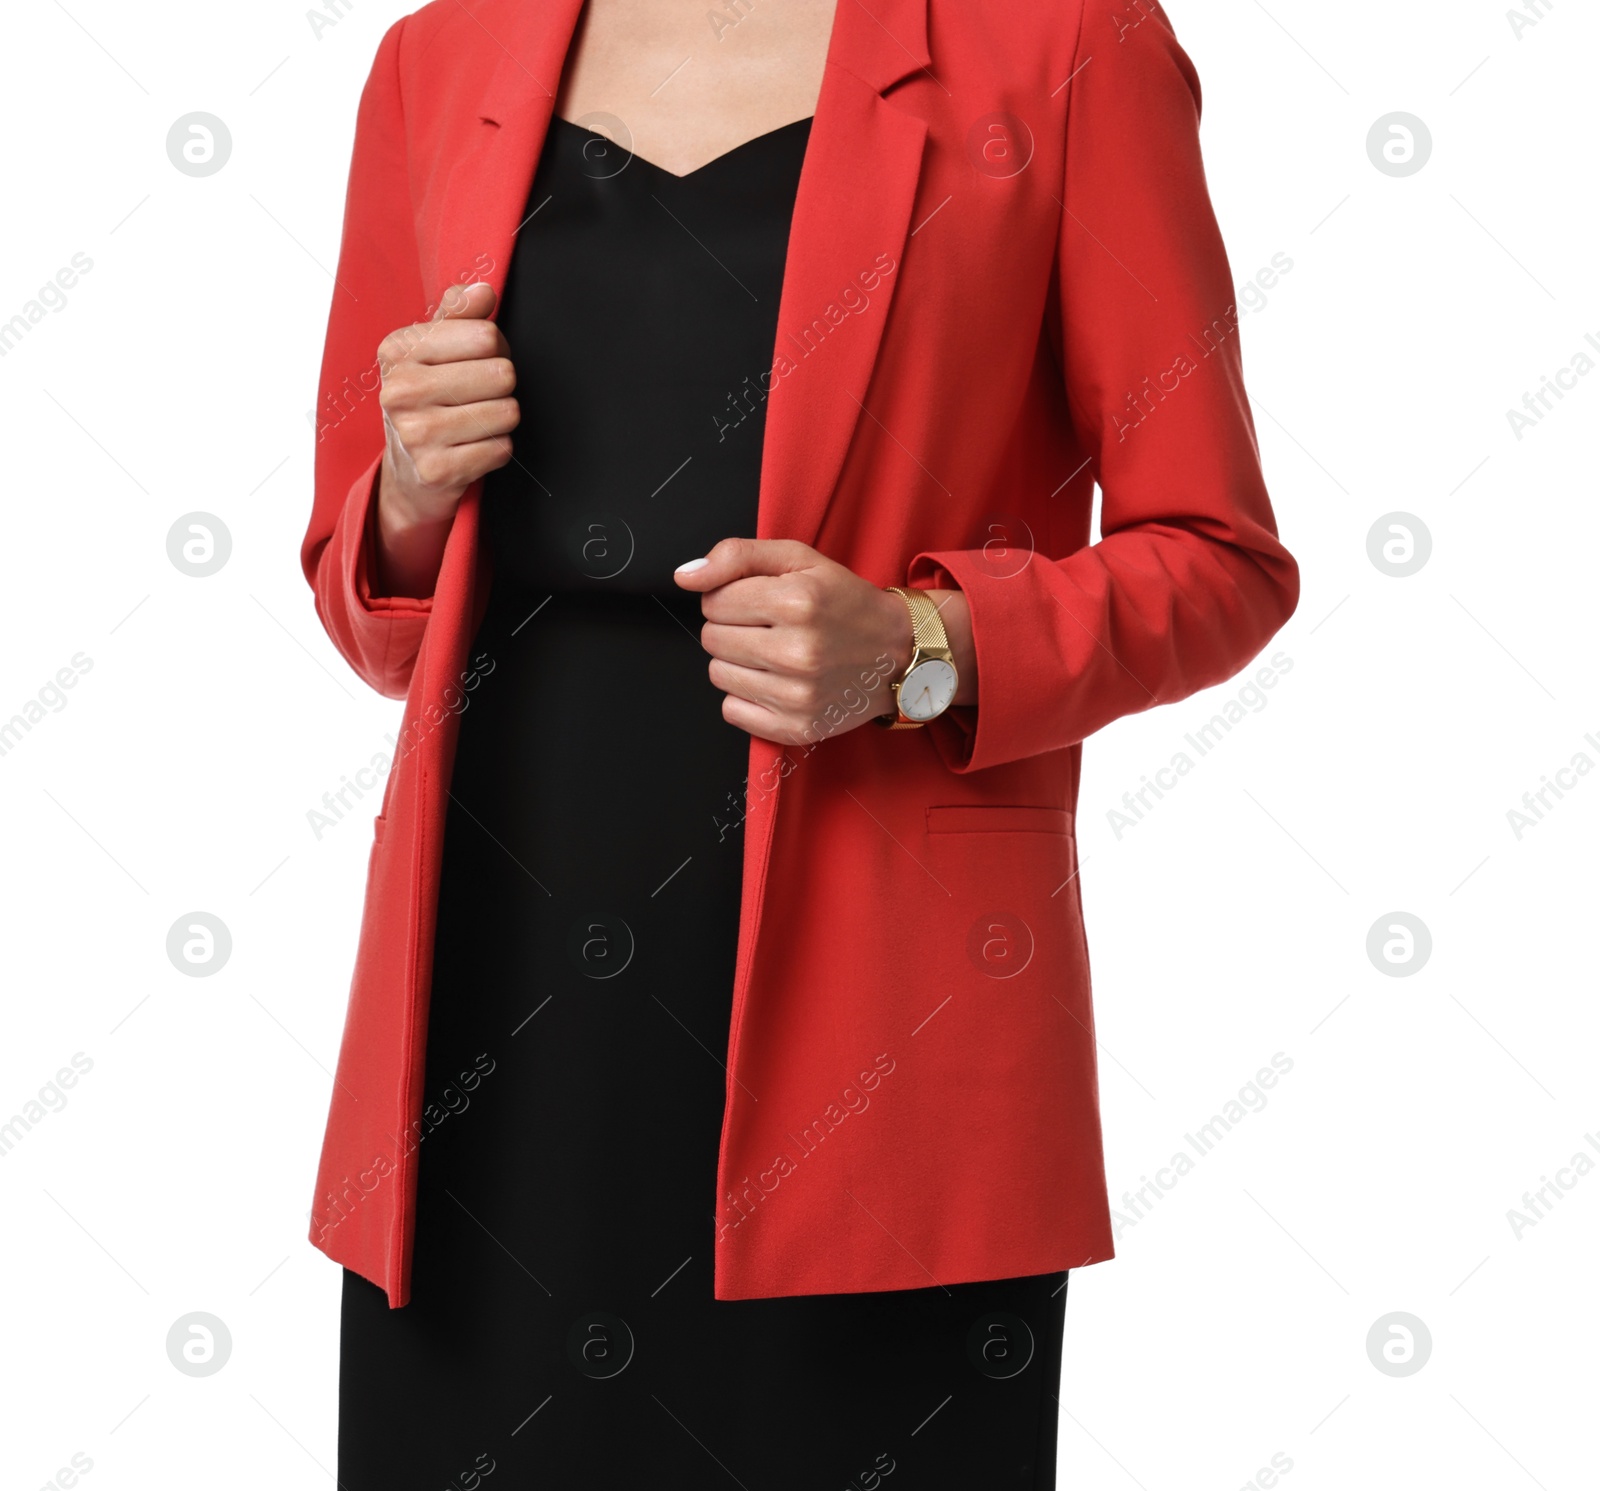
x,y
856,196
852,216
524,46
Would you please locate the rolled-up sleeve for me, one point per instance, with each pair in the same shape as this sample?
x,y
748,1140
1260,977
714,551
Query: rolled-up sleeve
x,y
377,288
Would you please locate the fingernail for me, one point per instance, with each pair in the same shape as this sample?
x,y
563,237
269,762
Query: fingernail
x,y
691,566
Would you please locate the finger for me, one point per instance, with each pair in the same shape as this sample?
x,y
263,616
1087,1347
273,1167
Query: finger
x,y
788,698
470,382
738,558
753,684
758,600
437,429
744,646
434,342
755,720
475,301
462,424
483,456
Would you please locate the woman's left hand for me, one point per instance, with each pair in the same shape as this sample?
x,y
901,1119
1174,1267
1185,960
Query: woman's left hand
x,y
801,647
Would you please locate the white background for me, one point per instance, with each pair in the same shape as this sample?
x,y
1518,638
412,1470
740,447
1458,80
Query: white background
x,y
1229,924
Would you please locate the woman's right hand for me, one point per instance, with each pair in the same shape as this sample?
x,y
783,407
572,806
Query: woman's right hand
x,y
448,415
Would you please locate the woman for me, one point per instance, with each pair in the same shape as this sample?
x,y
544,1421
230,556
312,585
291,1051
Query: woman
x,y
717,1098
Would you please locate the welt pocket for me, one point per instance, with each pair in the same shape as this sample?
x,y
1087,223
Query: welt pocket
x,y
377,829
984,818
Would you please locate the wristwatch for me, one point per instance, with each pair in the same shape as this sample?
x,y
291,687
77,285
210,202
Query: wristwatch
x,y
928,685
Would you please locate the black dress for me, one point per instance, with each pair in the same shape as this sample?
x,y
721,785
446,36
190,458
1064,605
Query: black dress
x,y
562,1328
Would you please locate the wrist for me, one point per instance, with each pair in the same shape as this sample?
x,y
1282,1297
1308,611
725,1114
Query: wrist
x,y
409,544
957,618
398,512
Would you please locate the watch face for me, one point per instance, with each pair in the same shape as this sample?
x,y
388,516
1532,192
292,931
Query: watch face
x,y
927,689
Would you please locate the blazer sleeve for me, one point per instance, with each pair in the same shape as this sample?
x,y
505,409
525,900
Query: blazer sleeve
x,y
378,288
1188,581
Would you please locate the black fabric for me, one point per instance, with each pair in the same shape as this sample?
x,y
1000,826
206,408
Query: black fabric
x,y
562,1328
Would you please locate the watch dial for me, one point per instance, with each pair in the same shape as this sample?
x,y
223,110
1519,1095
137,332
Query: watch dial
x,y
927,689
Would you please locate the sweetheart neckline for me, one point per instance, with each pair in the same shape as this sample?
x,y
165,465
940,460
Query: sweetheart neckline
x,y
698,170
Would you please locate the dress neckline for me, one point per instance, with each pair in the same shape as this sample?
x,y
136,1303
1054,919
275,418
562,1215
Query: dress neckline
x,y
700,170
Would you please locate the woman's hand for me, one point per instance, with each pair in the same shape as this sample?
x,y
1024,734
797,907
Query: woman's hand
x,y
802,647
448,415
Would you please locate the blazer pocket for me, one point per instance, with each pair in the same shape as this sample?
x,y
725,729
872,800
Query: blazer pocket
x,y
983,818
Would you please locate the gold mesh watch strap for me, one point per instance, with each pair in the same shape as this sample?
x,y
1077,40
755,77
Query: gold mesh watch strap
x,y
927,635
927,626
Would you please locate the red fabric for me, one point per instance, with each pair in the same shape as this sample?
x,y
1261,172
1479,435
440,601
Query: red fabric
x,y
1002,287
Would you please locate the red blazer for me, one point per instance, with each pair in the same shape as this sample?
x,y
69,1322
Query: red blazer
x,y
1005,283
